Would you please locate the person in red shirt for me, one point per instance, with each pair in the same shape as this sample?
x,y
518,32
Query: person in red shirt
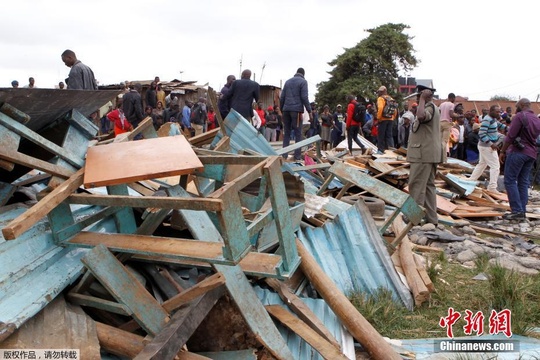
x,y
353,126
212,121
262,114
121,124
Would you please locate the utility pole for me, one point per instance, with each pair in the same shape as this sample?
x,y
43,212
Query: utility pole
x,y
262,70
240,75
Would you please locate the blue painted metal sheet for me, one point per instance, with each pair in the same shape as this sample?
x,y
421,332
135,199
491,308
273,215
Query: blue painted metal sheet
x,y
467,185
316,181
300,348
33,270
352,252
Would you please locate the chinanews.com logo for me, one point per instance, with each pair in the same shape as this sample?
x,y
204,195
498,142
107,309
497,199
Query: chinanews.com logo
x,y
498,323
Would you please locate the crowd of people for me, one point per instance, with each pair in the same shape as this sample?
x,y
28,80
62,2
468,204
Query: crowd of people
x,y
430,134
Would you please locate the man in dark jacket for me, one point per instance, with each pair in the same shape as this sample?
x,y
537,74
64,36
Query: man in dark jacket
x,y
223,106
241,95
132,105
81,77
293,100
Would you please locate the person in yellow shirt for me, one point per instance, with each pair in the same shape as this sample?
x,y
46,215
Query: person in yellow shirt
x,y
386,114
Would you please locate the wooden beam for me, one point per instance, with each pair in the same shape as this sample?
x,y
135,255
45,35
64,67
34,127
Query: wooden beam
x,y
34,163
194,292
357,325
126,289
418,288
95,302
168,342
197,250
26,220
300,308
161,202
319,343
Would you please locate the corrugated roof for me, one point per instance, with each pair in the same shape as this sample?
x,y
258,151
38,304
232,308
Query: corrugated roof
x,y
299,348
352,252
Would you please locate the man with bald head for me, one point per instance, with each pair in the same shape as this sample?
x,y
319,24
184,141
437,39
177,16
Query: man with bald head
x,y
519,154
242,94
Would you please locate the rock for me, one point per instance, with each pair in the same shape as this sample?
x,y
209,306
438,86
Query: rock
x,y
428,227
467,255
414,238
509,263
529,262
422,240
468,230
481,277
469,264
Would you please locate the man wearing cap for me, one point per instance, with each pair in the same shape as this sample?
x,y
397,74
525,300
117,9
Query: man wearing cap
x,y
385,138
424,153
447,121
272,123
15,84
293,100
404,128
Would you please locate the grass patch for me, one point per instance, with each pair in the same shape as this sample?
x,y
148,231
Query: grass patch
x,y
454,287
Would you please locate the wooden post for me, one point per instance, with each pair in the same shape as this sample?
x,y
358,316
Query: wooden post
x,y
418,288
357,325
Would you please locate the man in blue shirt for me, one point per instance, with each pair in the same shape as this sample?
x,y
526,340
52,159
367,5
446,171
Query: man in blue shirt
x,y
186,122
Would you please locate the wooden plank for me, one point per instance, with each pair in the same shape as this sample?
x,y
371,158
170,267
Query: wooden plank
x,y
194,292
282,215
197,250
248,354
425,248
253,311
126,289
161,202
95,302
254,264
423,273
126,162
319,343
43,207
466,214
296,304
34,163
444,206
168,342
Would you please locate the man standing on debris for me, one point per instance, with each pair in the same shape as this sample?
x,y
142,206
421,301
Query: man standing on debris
x,y
81,77
386,114
425,152
293,100
352,124
242,94
222,103
447,119
132,105
521,145
490,139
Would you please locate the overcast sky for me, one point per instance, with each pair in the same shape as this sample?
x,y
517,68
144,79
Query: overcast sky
x,y
473,48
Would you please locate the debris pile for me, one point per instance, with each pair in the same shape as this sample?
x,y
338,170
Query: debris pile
x,y
212,247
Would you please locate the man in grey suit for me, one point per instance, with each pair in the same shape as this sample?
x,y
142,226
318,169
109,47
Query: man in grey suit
x,y
425,152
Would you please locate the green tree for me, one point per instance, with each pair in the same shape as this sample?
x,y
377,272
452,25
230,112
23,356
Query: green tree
x,y
374,61
502,98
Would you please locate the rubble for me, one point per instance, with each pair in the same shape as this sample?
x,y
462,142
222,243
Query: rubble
x,y
214,245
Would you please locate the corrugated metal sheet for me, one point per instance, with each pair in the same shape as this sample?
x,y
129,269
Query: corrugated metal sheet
x,y
33,269
299,348
352,252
